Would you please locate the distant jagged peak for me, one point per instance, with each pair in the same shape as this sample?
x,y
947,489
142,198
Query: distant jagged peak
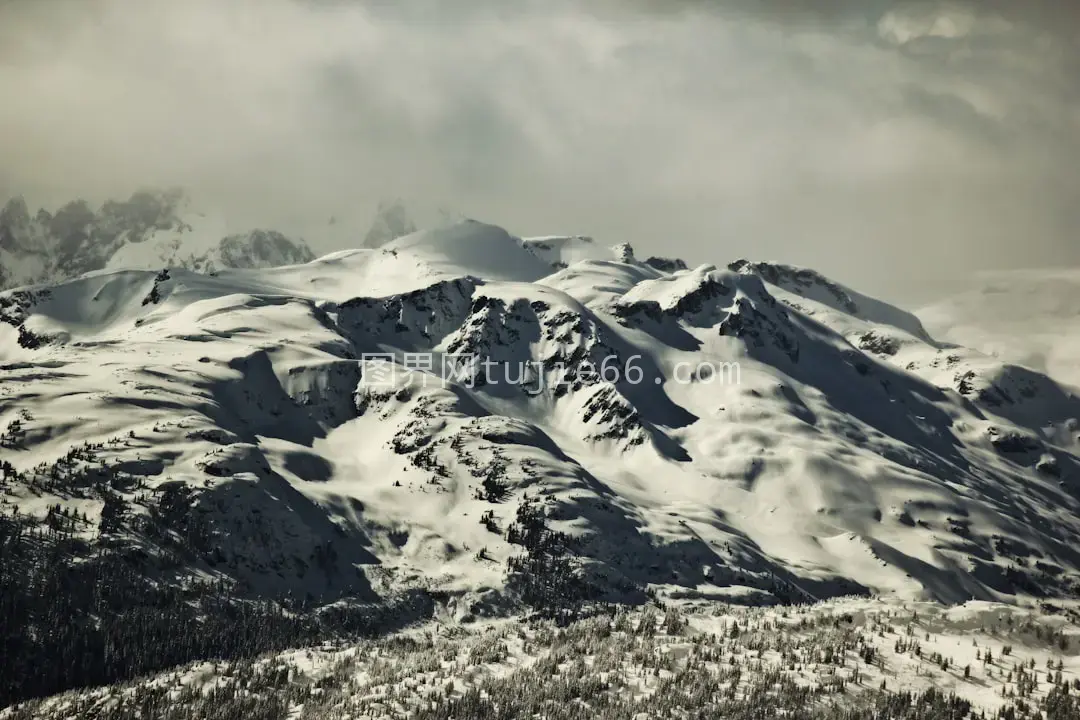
x,y
665,264
814,286
15,211
205,248
391,221
152,228
253,250
268,244
146,210
16,225
78,238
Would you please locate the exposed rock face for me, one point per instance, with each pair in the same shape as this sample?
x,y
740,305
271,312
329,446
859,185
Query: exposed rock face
x,y
812,285
666,264
254,250
787,276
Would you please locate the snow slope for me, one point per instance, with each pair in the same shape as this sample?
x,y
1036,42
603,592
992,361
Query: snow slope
x,y
746,433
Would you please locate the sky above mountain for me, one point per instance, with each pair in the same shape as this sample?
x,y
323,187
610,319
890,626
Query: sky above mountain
x,y
893,145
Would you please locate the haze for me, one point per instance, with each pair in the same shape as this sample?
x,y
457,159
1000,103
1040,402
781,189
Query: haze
x,y
894,146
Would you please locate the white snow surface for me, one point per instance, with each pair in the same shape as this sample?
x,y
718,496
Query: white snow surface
x,y
847,452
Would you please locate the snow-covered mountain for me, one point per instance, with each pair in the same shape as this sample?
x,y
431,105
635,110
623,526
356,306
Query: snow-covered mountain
x,y
486,422
150,230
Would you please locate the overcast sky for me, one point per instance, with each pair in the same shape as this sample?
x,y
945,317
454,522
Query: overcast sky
x,y
888,144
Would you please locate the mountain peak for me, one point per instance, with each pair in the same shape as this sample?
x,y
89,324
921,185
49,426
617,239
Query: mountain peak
x,y
15,211
811,285
14,223
448,415
150,229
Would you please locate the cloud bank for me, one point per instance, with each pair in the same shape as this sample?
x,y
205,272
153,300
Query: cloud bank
x,y
892,145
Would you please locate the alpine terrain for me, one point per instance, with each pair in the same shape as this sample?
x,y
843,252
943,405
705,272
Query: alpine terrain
x,y
476,475
151,229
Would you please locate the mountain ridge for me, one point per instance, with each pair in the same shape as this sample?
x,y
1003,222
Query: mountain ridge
x,y
150,230
270,431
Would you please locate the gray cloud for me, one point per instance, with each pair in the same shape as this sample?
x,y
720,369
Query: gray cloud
x,y
889,144
1044,15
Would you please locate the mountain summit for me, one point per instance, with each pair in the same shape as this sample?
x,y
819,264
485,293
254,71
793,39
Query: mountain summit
x,y
466,422
149,230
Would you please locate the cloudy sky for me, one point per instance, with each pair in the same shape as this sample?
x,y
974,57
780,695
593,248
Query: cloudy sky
x,y
890,144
